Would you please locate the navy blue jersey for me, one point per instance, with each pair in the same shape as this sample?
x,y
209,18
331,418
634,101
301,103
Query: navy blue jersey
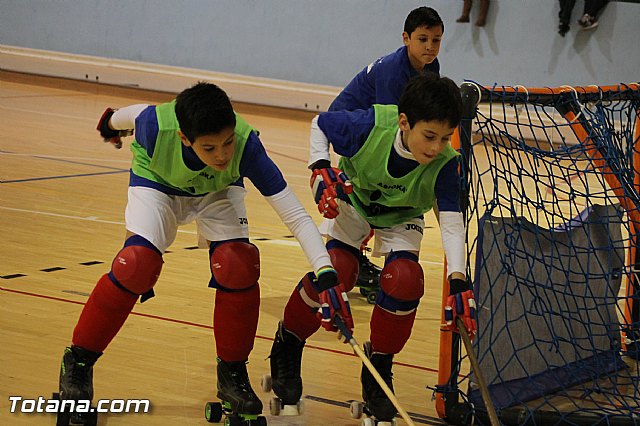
x,y
255,164
382,82
347,132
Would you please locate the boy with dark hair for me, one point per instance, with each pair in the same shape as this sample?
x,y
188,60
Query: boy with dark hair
x,y
189,160
399,165
382,82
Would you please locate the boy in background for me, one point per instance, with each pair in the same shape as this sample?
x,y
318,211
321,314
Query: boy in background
x,y
382,82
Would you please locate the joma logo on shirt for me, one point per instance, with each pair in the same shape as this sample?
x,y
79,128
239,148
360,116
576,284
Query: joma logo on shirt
x,y
206,175
413,227
396,187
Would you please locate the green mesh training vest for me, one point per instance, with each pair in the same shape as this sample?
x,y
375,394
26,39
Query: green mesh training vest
x,y
383,200
167,166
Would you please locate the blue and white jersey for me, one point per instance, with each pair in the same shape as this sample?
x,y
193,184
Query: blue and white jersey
x,y
254,165
381,82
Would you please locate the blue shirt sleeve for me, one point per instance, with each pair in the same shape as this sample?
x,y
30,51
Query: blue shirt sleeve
x,y
358,94
382,82
347,131
146,129
448,187
256,165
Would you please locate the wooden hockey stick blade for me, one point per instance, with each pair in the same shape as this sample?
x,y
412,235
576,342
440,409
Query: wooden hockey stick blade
x,y
484,390
356,348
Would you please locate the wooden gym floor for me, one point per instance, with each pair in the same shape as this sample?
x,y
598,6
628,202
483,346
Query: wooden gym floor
x,y
62,199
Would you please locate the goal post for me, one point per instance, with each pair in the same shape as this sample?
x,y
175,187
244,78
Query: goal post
x,y
551,198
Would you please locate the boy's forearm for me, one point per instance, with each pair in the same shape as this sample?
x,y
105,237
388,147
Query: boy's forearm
x,y
318,144
125,118
453,242
296,218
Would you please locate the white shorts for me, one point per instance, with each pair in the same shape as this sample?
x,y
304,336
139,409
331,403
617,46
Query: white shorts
x,y
352,229
156,216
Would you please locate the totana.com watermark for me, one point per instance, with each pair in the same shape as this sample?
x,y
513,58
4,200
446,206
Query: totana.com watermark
x,y
43,405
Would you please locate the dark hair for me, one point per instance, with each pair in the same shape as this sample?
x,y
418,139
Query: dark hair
x,y
422,17
203,109
428,97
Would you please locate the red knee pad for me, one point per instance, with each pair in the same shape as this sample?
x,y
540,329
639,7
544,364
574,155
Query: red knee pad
x,y
236,265
137,268
403,279
346,265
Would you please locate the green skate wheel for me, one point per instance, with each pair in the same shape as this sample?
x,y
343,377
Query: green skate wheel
x,y
213,412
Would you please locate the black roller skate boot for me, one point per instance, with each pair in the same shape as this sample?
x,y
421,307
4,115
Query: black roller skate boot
x,y
285,380
239,402
376,402
368,278
76,383
286,358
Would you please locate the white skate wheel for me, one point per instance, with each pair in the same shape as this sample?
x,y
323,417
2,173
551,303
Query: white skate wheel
x,y
266,383
290,410
275,405
368,421
356,408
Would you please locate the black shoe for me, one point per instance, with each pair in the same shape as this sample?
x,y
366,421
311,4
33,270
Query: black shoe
x,y
76,373
375,400
286,358
563,29
235,389
369,274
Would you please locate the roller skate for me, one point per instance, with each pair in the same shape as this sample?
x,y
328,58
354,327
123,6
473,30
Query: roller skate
x,y
285,380
368,279
377,407
238,402
76,387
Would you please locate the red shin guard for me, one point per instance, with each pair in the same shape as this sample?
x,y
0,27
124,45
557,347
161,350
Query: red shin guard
x,y
300,318
103,315
235,320
390,332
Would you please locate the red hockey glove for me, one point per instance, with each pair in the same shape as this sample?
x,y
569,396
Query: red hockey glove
x,y
333,300
461,303
327,185
107,133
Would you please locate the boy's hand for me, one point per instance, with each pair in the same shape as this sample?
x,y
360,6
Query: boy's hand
x,y
333,300
461,303
326,181
107,133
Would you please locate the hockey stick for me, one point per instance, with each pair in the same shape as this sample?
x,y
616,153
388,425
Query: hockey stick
x,y
484,390
356,349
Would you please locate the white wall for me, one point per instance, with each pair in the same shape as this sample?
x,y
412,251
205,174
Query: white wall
x,y
327,41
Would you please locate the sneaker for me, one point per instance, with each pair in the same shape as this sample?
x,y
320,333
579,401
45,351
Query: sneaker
x,y
587,22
